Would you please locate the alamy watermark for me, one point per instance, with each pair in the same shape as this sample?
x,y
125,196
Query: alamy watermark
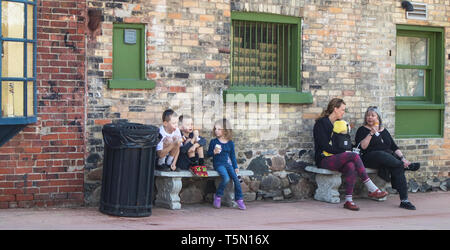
x,y
258,113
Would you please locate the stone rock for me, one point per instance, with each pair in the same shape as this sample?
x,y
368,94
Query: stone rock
x,y
301,153
249,196
303,189
425,187
280,174
287,192
435,183
93,158
254,185
95,174
268,194
413,186
278,198
259,167
270,182
285,183
296,166
293,178
191,195
278,163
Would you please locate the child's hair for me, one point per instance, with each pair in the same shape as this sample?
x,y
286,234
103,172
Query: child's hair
x,y
226,126
180,119
168,113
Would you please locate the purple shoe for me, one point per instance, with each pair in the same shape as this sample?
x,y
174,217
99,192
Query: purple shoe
x,y
241,204
217,200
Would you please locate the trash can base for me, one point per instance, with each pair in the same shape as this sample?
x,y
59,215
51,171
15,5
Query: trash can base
x,y
115,210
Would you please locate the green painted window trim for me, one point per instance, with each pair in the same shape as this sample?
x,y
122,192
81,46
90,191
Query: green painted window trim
x,y
292,94
131,84
434,96
122,83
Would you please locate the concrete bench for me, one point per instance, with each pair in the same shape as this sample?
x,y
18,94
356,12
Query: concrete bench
x,y
169,184
328,183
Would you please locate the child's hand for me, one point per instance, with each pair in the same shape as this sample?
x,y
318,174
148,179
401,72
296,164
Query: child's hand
x,y
196,135
166,142
173,166
217,151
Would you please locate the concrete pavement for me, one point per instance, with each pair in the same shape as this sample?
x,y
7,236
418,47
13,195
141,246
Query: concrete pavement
x,y
433,212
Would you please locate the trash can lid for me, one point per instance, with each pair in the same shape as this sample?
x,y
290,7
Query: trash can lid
x,y
130,135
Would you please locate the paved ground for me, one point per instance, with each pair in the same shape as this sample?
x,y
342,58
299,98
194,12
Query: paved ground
x,y
433,213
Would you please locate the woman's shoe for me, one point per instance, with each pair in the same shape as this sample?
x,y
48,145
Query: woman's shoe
x,y
407,205
378,194
413,166
351,206
241,204
217,201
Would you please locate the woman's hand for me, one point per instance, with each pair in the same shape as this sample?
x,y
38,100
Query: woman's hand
x,y
236,170
374,129
405,162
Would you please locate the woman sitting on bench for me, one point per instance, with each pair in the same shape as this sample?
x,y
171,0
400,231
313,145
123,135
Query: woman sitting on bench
x,y
348,163
379,151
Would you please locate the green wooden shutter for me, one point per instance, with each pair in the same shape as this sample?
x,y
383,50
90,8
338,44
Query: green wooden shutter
x,y
129,58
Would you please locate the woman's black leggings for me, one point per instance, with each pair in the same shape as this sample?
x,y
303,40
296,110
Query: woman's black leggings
x,y
377,159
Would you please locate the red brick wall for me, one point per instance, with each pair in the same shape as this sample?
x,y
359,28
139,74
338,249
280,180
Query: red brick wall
x,y
43,164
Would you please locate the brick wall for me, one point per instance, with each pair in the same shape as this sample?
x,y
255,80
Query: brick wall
x,y
43,164
345,53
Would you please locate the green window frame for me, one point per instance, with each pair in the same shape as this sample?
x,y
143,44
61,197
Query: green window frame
x,y
265,58
421,116
129,57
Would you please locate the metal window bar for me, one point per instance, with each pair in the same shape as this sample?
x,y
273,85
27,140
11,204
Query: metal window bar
x,y
261,54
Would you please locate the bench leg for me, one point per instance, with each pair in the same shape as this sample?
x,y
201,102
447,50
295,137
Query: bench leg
x,y
228,194
327,188
168,190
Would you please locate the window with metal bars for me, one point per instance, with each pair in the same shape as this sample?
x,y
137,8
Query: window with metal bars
x,y
265,56
262,52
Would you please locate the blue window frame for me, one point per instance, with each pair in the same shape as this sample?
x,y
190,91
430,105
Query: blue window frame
x,y
18,36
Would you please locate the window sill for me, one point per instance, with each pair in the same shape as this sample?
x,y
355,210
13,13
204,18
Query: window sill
x,y
132,84
410,105
17,120
265,94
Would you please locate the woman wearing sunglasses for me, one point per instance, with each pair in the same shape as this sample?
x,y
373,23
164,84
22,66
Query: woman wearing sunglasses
x,y
379,151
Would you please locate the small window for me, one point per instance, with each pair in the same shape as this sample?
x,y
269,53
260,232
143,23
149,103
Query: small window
x,y
129,57
18,64
266,56
419,81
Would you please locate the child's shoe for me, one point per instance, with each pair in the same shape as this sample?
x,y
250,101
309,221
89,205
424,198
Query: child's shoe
x,y
217,201
241,204
204,171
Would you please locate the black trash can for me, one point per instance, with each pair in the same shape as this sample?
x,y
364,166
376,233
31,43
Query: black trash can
x,y
128,169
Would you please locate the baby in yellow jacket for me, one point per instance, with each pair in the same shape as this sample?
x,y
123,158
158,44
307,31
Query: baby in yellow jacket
x,y
339,127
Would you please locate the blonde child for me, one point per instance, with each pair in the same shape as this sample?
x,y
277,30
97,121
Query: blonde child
x,y
191,150
221,148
